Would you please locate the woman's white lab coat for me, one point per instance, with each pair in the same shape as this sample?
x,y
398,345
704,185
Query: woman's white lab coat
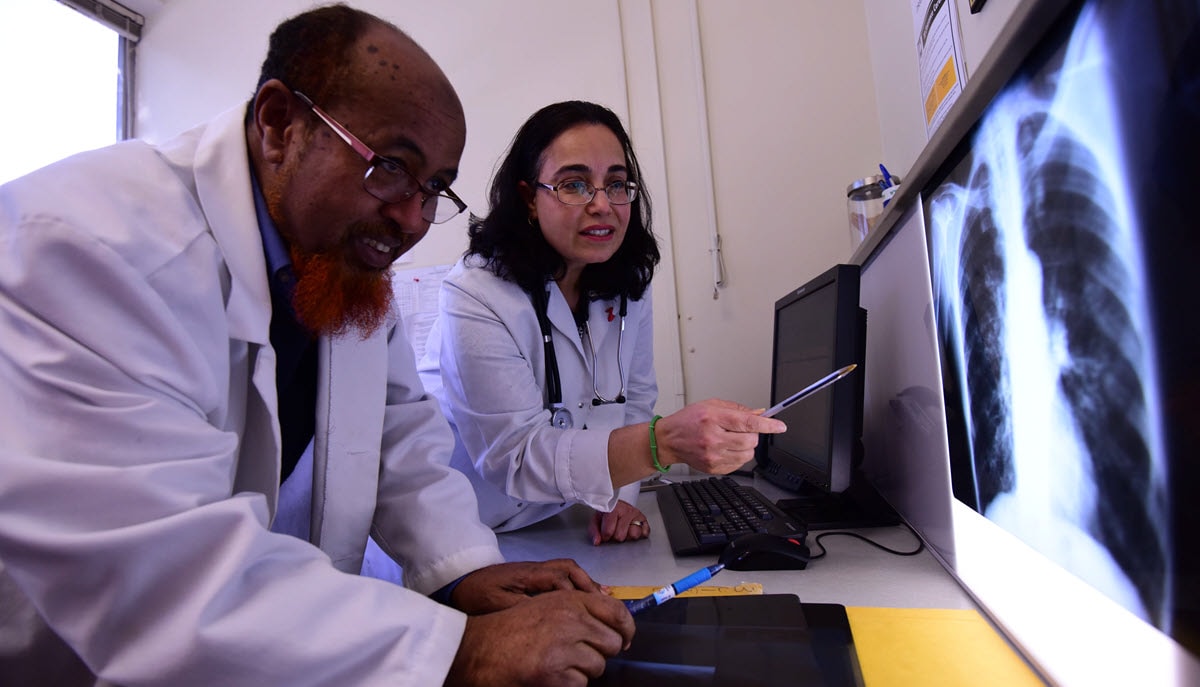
x,y
140,458
485,361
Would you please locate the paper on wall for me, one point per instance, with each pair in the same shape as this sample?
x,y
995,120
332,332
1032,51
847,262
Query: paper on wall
x,y
416,293
939,58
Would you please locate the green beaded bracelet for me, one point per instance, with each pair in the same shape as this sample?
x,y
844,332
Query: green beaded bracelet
x,y
654,447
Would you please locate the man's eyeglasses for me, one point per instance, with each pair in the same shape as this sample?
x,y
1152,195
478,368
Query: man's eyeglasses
x,y
578,192
388,180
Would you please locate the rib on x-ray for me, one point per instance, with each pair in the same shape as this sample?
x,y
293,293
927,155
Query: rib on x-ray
x,y
1040,285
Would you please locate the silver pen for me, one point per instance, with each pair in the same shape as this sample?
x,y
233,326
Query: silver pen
x,y
810,390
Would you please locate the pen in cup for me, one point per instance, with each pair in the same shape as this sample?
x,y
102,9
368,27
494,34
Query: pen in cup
x,y
670,591
887,176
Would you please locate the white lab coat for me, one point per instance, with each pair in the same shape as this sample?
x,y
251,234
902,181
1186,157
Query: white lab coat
x,y
140,459
485,361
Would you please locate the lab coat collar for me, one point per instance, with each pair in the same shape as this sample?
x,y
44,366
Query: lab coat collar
x,y
222,169
601,326
562,319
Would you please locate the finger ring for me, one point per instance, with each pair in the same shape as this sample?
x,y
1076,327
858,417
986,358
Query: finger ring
x,y
639,523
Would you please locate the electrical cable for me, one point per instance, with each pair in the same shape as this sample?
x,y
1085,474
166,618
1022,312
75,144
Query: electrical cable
x,y
816,540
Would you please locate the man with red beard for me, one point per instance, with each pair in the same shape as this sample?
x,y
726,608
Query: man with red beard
x,y
183,328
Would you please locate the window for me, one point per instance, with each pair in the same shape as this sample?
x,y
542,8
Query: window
x,y
65,79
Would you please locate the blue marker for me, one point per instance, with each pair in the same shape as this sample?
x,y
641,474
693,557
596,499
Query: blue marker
x,y
670,591
887,178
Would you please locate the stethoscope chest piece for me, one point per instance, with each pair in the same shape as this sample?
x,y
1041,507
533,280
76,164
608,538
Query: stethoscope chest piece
x,y
561,418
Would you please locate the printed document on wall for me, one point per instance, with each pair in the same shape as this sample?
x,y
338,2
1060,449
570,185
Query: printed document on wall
x,y
416,293
939,58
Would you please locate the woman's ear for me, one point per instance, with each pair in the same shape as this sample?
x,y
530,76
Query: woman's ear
x,y
528,194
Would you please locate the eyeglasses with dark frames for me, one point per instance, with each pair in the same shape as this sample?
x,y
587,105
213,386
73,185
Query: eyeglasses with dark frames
x,y
579,192
387,179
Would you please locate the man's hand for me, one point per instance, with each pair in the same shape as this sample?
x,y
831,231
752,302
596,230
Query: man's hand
x,y
560,638
624,523
497,587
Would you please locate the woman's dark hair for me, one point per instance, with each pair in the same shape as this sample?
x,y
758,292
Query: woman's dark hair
x,y
310,52
515,250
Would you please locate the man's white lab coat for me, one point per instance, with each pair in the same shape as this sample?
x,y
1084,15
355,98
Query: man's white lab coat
x,y
140,450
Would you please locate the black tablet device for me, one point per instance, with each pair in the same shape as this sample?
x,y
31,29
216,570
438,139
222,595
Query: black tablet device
x,y
767,640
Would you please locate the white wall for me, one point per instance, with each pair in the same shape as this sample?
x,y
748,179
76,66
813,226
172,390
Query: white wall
x,y
800,98
750,118
791,119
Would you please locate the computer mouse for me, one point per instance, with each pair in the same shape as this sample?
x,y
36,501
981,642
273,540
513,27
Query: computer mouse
x,y
761,551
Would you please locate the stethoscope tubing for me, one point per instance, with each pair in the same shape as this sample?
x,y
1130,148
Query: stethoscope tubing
x,y
559,415
599,400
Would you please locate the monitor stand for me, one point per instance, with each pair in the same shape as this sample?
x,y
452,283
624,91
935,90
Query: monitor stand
x,y
859,506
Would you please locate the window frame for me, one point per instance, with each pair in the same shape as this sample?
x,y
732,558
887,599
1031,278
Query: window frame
x,y
128,25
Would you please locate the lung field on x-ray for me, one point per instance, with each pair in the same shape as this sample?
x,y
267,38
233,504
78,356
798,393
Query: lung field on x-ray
x,y
980,282
1032,262
1069,228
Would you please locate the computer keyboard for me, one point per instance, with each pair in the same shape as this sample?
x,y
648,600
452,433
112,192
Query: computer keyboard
x,y
703,515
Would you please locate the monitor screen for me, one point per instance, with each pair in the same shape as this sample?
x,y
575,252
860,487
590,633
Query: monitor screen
x,y
1067,298
818,328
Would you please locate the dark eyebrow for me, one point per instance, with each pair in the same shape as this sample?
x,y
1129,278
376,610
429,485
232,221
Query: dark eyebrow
x,y
407,145
583,169
451,173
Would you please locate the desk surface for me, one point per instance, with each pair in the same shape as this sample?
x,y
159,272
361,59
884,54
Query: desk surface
x,y
852,573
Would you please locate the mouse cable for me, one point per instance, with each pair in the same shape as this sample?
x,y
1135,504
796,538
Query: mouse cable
x,y
817,541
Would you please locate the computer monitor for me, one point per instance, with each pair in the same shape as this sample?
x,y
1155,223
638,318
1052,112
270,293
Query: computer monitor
x,y
819,327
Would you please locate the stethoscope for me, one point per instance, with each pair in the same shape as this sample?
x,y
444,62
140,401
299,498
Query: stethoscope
x,y
560,417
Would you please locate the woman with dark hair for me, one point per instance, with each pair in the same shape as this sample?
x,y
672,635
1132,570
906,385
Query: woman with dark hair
x,y
542,355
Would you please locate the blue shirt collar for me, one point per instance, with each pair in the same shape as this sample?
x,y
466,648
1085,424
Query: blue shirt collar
x,y
273,246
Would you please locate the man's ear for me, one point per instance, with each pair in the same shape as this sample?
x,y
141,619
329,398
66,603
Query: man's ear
x,y
276,114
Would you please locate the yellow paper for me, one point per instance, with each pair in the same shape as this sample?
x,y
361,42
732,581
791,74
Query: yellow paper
x,y
701,590
932,647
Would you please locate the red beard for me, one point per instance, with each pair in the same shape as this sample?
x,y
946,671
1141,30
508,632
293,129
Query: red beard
x,y
331,297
